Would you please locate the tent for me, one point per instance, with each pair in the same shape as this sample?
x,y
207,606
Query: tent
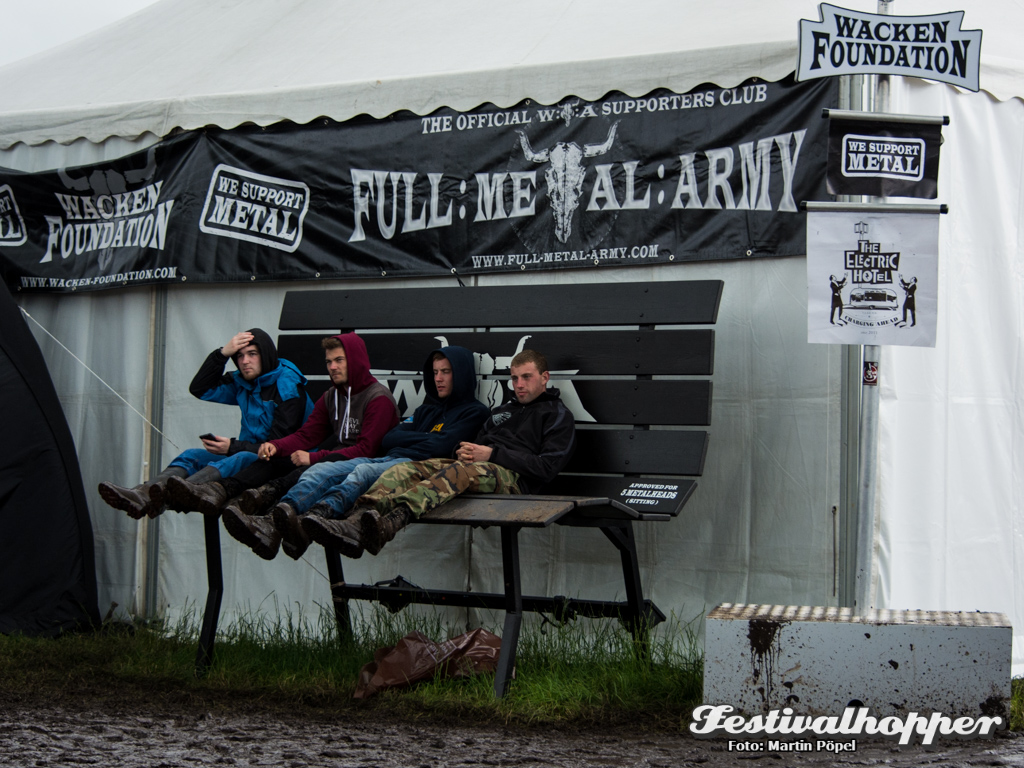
x,y
46,549
771,519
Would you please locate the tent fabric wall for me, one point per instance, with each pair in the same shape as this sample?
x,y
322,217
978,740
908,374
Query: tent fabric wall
x,y
951,468
111,334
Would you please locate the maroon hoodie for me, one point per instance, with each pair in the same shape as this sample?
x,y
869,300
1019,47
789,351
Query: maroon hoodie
x,y
357,414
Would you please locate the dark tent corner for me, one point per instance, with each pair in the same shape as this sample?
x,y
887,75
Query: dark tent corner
x,y
47,569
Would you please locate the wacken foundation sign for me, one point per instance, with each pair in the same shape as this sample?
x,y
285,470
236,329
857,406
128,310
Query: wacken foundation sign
x,y
622,180
872,278
849,42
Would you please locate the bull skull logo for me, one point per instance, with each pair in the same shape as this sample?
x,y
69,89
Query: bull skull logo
x,y
564,175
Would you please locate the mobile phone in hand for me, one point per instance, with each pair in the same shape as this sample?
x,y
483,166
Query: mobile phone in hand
x,y
208,436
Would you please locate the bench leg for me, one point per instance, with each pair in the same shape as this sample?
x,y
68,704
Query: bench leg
x,y
215,583
336,575
635,620
513,610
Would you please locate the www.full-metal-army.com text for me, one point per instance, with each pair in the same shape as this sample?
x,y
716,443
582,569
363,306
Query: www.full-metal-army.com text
x,y
788,732
625,254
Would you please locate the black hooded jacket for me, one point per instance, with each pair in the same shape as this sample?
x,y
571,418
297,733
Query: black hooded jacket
x,y
438,426
273,405
535,440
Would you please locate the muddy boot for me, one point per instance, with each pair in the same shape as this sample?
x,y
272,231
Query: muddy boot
x,y
177,491
235,506
255,531
199,493
255,501
134,501
342,535
379,529
158,489
322,510
294,540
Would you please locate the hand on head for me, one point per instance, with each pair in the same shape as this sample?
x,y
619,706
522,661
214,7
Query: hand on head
x,y
239,340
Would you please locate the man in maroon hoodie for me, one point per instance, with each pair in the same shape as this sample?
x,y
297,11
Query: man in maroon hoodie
x,y
349,420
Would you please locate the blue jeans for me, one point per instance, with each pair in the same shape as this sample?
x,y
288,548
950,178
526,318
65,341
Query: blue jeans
x,y
195,459
342,493
319,479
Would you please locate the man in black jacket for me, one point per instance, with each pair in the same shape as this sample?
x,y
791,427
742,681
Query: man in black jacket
x,y
521,447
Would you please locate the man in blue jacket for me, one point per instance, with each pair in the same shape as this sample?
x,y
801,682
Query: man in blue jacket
x,y
271,394
450,414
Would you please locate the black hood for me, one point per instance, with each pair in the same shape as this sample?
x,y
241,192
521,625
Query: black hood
x,y
268,352
463,379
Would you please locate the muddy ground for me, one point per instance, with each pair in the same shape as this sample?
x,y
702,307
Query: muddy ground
x,y
59,736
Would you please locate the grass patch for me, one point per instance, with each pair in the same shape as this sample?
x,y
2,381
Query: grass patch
x,y
1017,704
583,674
586,673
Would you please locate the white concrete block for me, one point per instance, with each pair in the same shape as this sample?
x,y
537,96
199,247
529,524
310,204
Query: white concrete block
x,y
818,660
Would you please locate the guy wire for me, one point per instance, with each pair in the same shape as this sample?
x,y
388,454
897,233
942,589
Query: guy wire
x,y
90,370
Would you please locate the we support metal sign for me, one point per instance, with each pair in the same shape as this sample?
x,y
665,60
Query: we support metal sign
x,y
884,159
872,278
849,42
712,174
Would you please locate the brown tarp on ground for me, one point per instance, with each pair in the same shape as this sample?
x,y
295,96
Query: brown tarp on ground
x,y
416,657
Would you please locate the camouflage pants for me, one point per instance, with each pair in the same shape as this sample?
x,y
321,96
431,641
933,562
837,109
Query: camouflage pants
x,y
423,485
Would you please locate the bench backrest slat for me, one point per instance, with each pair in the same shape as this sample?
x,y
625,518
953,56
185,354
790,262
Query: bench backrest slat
x,y
668,352
659,452
693,302
676,403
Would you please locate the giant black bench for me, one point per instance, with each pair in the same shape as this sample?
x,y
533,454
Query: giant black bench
x,y
642,377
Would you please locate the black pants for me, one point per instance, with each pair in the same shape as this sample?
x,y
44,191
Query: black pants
x,y
260,472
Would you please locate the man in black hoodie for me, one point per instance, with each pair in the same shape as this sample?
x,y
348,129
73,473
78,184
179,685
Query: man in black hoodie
x,y
450,414
523,445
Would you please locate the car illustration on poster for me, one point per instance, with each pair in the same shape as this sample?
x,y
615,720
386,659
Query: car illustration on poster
x,y
873,298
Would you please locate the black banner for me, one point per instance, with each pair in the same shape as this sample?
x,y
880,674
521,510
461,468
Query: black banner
x,y
883,159
712,174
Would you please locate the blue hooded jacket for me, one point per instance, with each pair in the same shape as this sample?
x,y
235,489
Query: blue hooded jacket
x,y
273,405
438,426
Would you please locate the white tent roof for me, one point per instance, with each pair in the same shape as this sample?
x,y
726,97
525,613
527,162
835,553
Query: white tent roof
x,y
225,62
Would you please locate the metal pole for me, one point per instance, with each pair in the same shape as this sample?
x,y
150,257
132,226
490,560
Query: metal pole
x,y
851,95
868,473
158,338
868,477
